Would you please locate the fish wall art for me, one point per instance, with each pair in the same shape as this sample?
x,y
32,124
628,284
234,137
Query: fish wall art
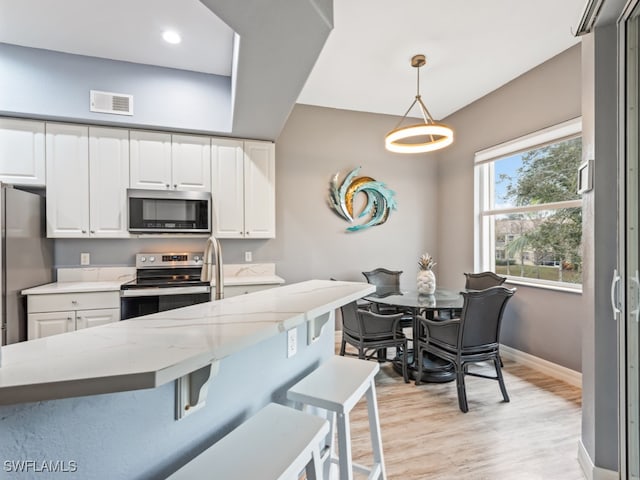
x,y
379,200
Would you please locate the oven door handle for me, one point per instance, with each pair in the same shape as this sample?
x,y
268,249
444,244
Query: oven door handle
x,y
158,291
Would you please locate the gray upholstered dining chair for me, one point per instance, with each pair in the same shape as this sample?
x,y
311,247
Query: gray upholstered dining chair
x,y
386,281
372,333
482,280
474,337
381,277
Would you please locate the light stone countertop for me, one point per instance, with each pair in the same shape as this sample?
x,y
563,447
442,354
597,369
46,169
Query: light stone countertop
x,y
105,279
150,351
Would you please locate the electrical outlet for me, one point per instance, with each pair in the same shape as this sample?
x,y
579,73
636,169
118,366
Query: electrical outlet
x,y
85,259
292,342
248,256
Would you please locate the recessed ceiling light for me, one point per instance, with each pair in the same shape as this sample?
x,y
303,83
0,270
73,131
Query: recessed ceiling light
x,y
171,36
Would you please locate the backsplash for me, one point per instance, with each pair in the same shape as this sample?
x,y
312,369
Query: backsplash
x,y
96,274
122,252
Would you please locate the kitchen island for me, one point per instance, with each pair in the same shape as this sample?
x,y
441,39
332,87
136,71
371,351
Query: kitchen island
x,y
106,396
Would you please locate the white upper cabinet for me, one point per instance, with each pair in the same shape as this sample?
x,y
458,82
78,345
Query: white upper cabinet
x,y
150,160
259,190
227,167
67,180
108,182
191,163
87,179
22,159
243,188
161,161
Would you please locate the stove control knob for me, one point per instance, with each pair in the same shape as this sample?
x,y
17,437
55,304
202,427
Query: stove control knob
x,y
143,259
196,258
152,259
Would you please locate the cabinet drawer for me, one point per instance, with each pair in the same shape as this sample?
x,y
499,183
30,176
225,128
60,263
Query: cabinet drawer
x,y
56,302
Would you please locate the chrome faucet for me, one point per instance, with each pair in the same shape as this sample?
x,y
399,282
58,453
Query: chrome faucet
x,y
211,249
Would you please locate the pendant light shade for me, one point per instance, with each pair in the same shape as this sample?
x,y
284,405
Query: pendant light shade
x,y
420,137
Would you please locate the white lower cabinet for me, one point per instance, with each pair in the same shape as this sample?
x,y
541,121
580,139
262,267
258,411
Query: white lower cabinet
x,y
51,314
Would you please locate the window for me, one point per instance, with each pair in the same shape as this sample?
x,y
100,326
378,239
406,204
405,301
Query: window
x,y
528,222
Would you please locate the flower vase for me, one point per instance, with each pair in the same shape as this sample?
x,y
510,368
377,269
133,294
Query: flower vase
x,y
426,282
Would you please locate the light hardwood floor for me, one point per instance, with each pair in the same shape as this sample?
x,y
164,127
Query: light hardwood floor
x,y
425,436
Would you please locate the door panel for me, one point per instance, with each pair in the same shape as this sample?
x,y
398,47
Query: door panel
x,y
630,255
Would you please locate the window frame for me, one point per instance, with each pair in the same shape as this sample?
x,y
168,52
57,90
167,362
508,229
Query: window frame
x,y
484,193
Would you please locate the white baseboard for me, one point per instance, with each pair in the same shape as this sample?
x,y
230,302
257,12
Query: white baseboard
x,y
536,363
591,472
548,368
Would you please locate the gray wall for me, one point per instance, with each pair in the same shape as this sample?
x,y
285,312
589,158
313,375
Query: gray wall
x,y
311,240
133,435
544,323
46,84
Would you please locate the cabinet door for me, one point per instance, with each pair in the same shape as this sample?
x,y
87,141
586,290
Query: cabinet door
x,y
227,188
22,152
108,181
150,160
259,190
52,323
93,318
67,161
191,162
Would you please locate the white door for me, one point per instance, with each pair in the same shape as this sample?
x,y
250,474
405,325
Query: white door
x,y
191,162
50,323
67,162
227,188
259,190
93,318
150,160
22,152
108,181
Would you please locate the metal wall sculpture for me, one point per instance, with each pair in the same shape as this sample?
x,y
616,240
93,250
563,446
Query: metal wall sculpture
x,y
379,199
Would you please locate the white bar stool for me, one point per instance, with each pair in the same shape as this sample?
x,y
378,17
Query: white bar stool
x,y
277,443
336,386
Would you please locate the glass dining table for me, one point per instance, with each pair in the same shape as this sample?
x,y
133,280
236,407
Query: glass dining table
x,y
434,369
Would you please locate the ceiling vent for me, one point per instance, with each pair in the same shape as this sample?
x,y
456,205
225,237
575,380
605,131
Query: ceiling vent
x,y
108,102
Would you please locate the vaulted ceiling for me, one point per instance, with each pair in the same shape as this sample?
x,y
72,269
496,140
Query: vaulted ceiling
x,y
289,52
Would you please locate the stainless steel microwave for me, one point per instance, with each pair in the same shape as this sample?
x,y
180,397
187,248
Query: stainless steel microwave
x,y
169,211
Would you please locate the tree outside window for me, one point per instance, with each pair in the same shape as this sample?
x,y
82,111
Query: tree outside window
x,y
530,214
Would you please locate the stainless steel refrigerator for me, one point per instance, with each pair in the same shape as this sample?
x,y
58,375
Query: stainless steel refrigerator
x,y
27,257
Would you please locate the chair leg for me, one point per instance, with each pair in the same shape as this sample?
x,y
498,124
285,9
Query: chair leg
x,y
462,393
405,372
343,345
417,353
382,355
503,388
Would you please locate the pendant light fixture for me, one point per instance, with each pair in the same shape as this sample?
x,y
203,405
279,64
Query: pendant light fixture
x,y
421,137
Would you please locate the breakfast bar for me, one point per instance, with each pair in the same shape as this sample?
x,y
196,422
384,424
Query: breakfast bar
x,y
121,377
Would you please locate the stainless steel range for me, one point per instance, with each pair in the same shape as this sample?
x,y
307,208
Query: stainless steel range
x,y
164,281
